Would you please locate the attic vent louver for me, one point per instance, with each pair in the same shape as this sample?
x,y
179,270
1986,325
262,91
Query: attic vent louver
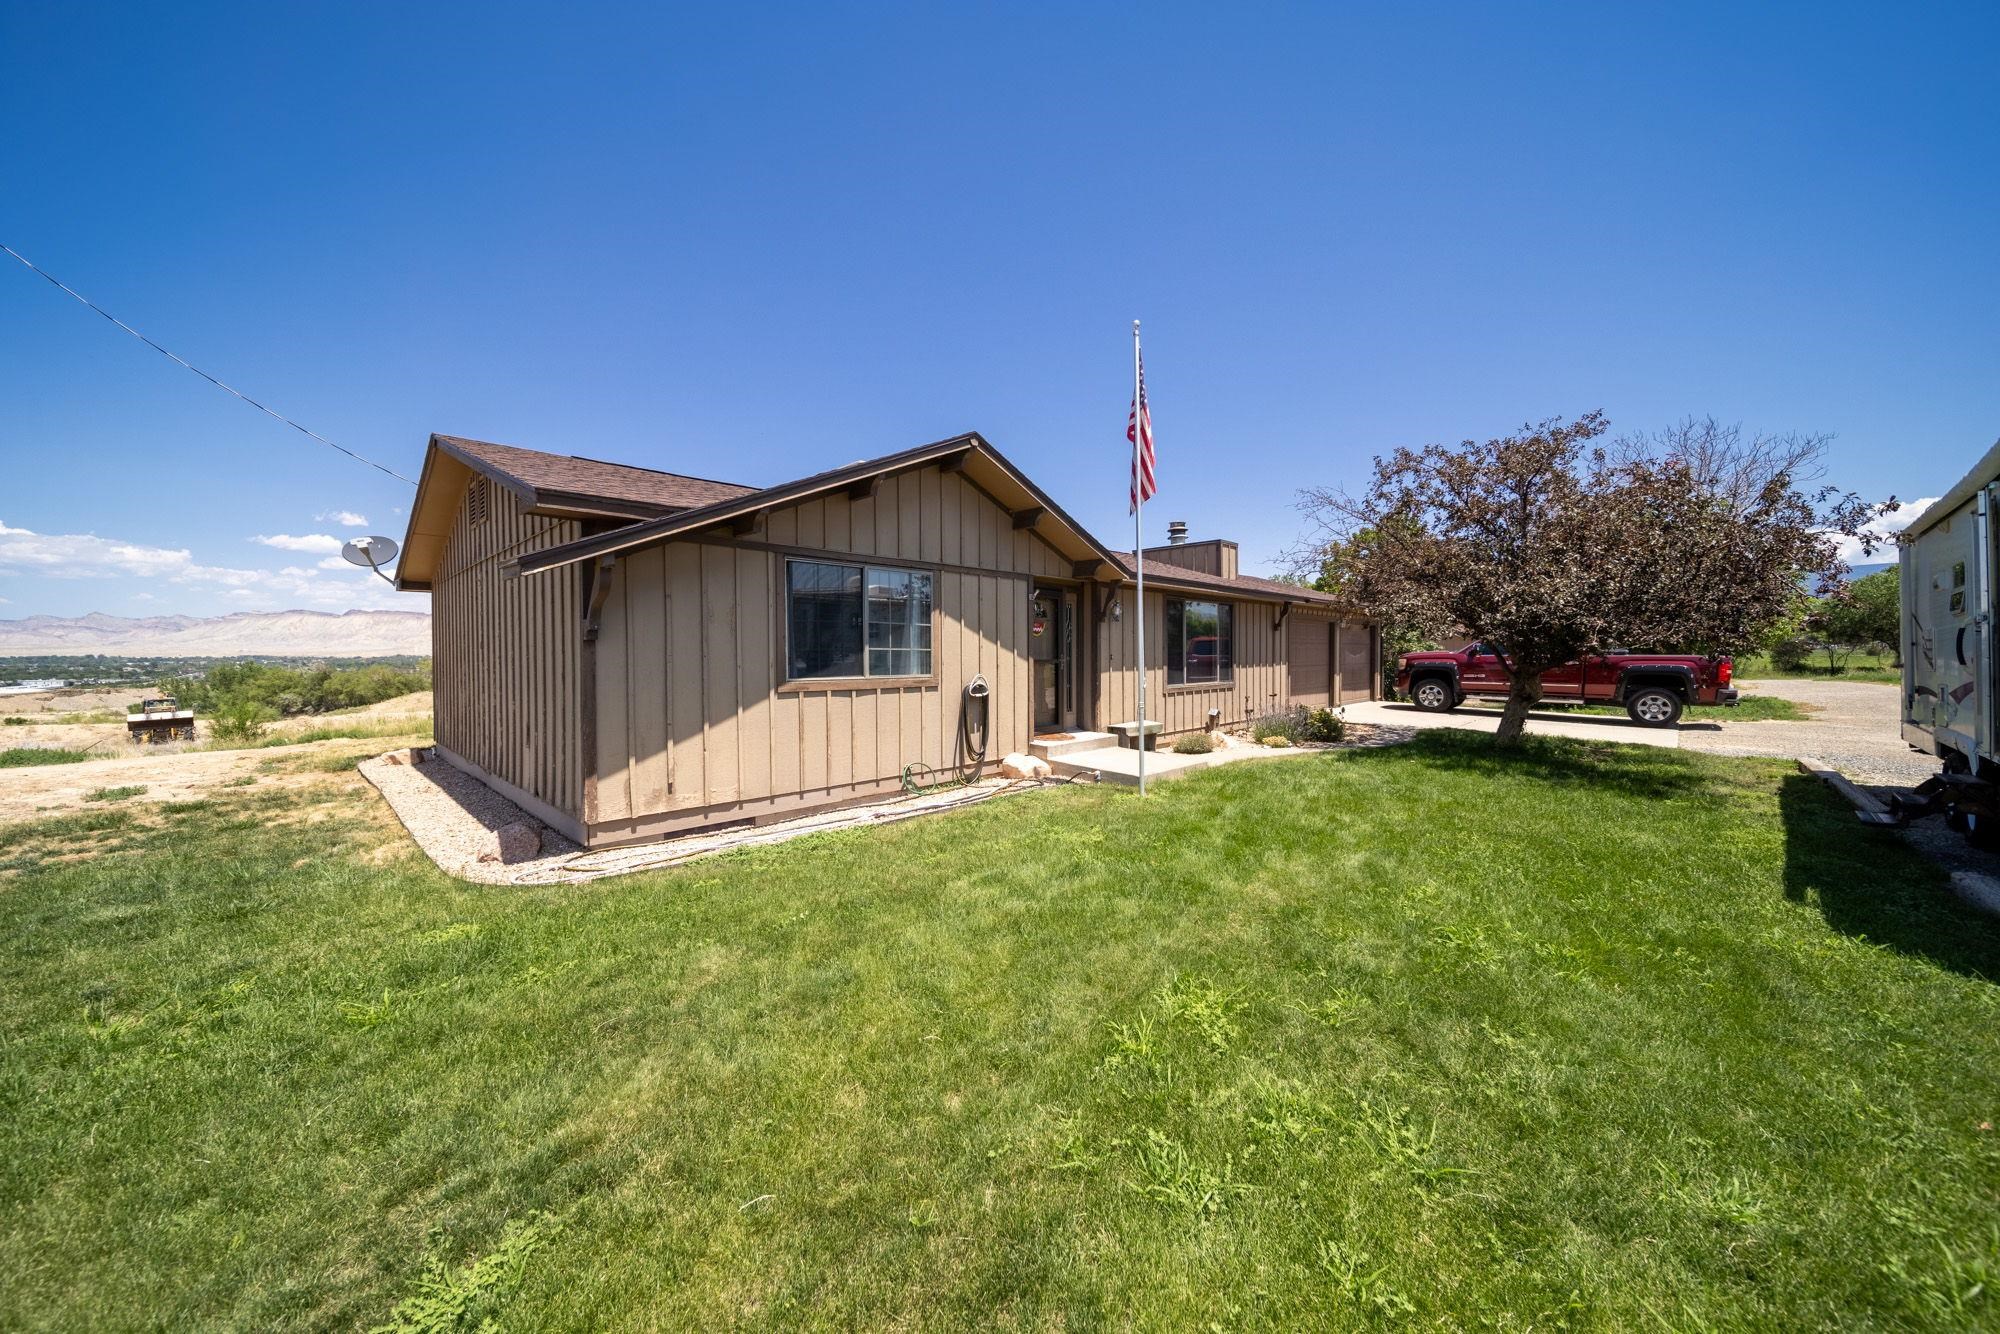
x,y
475,501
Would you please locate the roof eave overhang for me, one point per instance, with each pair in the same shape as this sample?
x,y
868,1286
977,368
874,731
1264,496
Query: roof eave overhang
x,y
1050,523
444,475
1156,578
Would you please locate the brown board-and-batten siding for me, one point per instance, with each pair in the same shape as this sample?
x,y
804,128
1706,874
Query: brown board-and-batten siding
x,y
506,655
696,723
1259,685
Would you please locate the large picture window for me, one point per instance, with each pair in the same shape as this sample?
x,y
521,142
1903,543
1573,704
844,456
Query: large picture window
x,y
1201,647
856,620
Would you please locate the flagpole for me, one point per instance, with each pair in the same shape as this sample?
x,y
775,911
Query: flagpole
x,y
1139,537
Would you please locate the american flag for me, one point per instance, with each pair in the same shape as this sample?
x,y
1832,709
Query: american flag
x,y
1139,431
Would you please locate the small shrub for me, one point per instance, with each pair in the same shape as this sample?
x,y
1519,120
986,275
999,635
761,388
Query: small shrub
x,y
1789,655
1285,725
14,722
1194,743
1323,725
243,720
1278,742
113,793
22,756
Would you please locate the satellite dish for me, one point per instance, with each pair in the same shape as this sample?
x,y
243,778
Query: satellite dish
x,y
370,553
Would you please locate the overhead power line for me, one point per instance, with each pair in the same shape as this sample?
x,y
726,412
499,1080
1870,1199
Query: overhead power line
x,y
36,268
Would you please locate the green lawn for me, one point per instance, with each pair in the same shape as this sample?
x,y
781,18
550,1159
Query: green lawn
x,y
1749,709
1593,1038
1858,667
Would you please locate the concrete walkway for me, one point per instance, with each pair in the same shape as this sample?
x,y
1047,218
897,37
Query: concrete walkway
x,y
1541,722
1114,764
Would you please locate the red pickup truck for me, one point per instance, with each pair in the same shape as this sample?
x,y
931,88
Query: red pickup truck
x,y
1653,687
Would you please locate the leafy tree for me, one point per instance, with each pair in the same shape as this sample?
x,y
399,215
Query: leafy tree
x,y
1868,610
1550,547
1335,574
1874,611
285,691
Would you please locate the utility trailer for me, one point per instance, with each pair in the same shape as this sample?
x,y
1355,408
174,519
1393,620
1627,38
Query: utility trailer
x,y
1950,706
157,720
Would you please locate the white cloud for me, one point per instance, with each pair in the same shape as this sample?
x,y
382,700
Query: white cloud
x,y
345,518
1886,526
304,542
87,556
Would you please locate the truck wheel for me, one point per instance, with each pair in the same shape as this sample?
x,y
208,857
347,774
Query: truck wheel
x,y
1433,694
1654,706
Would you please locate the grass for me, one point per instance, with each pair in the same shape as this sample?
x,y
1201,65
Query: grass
x,y
1590,1037
113,793
1859,667
1749,709
21,757
278,734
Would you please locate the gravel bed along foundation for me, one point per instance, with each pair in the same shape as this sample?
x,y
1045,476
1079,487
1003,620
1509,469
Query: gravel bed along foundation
x,y
455,819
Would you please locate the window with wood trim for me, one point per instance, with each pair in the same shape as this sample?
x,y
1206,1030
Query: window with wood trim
x,y
856,621
476,498
1201,647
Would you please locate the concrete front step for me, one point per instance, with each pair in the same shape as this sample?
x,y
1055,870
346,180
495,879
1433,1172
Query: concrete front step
x,y
1120,764
1051,744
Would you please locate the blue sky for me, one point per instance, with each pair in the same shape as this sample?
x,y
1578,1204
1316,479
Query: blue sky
x,y
754,243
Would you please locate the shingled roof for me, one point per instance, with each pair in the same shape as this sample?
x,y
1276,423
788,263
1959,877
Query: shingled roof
x,y
566,482
1243,585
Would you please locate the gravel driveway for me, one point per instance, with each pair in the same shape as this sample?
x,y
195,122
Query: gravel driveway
x,y
1853,728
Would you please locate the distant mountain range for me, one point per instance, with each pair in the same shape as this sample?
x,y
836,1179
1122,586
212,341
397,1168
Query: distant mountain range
x,y
350,634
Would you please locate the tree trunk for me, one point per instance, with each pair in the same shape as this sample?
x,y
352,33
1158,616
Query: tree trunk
x,y
1523,693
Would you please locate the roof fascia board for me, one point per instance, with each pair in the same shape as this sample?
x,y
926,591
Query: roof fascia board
x,y
427,483
671,526
522,491
708,516
1304,597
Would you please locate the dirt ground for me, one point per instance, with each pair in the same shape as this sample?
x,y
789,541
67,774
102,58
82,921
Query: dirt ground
x,y
39,791
176,771
111,740
38,704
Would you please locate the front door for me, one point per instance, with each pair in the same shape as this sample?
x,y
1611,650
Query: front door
x,y
1052,658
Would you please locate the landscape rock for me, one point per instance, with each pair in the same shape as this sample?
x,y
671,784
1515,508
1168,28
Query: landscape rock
x,y
516,842
1017,765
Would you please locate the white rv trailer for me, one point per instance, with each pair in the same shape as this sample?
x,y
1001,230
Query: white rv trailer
x,y
1949,707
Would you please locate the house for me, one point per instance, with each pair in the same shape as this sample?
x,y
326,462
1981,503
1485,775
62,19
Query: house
x,y
629,653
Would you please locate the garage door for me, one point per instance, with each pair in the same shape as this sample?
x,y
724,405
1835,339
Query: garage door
x,y
1309,649
1357,662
